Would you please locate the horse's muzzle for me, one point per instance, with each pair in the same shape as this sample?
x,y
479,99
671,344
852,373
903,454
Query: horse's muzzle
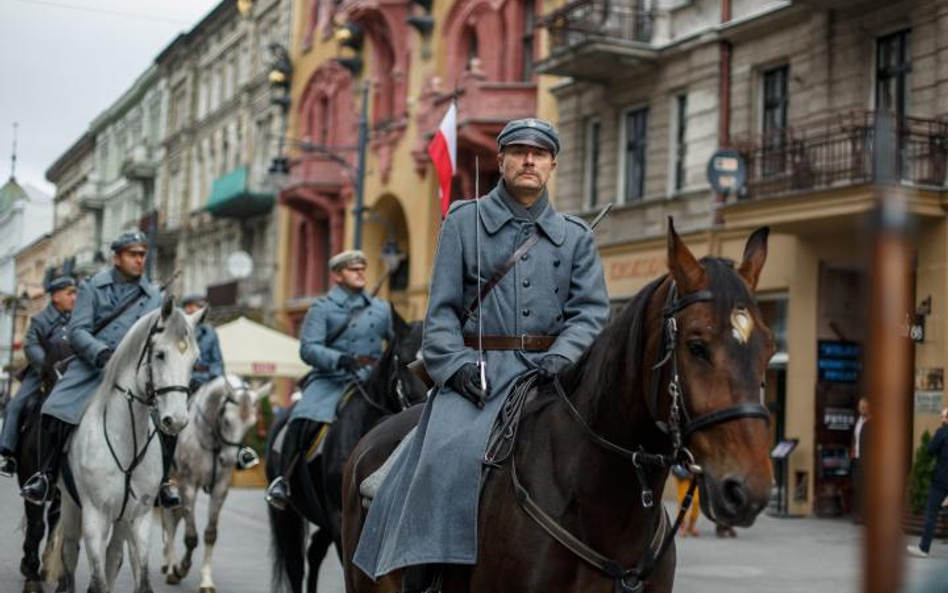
x,y
729,501
172,424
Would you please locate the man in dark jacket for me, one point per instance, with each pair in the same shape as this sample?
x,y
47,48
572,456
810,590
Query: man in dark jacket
x,y
210,364
46,327
938,490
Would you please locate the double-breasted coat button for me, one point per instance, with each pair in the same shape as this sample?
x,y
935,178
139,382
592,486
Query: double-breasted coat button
x,y
556,290
556,263
526,283
526,312
525,257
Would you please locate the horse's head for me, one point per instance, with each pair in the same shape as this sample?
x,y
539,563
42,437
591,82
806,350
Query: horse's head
x,y
721,351
164,367
230,411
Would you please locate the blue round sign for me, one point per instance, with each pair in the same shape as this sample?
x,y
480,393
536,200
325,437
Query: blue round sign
x,y
727,172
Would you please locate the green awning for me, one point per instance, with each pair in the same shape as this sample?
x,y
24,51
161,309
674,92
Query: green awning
x,y
231,196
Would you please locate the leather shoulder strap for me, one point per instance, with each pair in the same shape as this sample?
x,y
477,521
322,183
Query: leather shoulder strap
x,y
500,272
353,315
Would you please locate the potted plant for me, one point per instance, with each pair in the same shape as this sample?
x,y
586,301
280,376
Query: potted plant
x,y
920,479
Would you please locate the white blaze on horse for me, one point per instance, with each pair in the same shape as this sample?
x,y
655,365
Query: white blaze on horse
x,y
115,457
222,412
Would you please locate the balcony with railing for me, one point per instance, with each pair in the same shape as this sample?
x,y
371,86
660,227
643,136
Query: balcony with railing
x,y
828,166
589,39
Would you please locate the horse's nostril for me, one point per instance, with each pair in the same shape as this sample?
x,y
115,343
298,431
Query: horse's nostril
x,y
735,494
167,421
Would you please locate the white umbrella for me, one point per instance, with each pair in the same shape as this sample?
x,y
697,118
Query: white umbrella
x,y
252,349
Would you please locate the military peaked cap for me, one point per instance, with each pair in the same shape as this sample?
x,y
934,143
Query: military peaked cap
x,y
346,259
532,132
126,240
61,283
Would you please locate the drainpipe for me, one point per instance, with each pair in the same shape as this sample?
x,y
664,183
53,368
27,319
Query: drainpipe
x,y
724,106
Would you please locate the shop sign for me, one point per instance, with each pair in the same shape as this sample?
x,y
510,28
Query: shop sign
x,y
929,389
727,172
263,368
839,418
839,361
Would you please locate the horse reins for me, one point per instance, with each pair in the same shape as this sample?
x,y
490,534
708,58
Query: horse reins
x,y
220,441
149,401
679,427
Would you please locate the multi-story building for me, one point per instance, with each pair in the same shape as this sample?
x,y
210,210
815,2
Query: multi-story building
x,y
128,149
414,58
651,89
32,273
26,213
77,235
214,196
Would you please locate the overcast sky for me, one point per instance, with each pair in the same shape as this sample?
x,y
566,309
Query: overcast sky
x,y
63,62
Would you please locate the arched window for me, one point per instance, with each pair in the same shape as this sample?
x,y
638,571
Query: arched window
x,y
470,39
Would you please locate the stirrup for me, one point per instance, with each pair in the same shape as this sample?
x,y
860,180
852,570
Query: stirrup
x,y
247,458
278,493
8,466
37,480
168,496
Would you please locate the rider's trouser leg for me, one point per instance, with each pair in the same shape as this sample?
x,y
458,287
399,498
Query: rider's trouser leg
x,y
168,445
11,424
299,434
54,433
418,578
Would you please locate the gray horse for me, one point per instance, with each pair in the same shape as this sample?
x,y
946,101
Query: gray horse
x,y
114,455
222,412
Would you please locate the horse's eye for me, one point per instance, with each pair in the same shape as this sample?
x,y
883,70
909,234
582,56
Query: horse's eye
x,y
699,349
160,355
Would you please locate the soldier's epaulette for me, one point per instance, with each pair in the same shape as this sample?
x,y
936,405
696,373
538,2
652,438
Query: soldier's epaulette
x,y
578,221
458,204
103,278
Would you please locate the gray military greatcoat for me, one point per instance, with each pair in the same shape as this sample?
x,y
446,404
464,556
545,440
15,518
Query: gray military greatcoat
x,y
426,509
362,338
210,364
46,327
98,298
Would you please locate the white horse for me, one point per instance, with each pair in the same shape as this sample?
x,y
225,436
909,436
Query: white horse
x,y
222,412
115,456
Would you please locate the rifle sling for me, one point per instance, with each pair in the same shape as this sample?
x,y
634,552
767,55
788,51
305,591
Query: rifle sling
x,y
499,273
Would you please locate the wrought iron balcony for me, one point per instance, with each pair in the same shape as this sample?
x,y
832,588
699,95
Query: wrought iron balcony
x,y
591,39
843,151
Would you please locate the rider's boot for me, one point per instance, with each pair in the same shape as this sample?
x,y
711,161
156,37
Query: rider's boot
x,y
54,434
168,495
7,463
278,492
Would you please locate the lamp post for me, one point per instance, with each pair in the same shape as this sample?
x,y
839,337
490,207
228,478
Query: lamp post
x,y
14,303
360,168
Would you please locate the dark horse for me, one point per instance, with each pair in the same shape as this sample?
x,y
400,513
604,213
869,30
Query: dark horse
x,y
674,378
316,487
39,519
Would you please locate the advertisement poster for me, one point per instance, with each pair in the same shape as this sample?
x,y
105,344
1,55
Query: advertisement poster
x,y
929,389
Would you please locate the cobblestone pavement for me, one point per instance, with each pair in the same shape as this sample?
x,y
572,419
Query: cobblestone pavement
x,y
776,555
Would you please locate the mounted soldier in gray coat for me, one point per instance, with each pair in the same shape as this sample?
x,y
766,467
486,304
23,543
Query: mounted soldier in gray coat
x,y
341,339
210,365
46,333
107,306
546,304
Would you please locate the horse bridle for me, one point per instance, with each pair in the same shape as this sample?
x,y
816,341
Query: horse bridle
x,y
150,400
220,441
403,402
679,427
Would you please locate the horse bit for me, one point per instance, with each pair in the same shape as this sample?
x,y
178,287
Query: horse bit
x,y
150,400
679,427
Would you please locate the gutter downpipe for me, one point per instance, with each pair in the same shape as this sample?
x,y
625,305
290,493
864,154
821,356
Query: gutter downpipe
x,y
724,107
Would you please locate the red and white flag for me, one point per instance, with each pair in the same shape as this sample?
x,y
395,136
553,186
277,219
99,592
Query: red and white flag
x,y
443,151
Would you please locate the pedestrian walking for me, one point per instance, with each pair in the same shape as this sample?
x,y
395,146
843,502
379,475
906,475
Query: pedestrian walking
x,y
938,490
682,480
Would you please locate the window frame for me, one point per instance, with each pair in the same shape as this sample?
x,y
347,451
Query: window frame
x,y
623,194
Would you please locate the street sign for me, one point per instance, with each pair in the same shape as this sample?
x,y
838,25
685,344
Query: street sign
x,y
727,171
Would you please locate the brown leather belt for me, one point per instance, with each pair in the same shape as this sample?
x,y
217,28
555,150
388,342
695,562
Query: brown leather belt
x,y
366,361
525,342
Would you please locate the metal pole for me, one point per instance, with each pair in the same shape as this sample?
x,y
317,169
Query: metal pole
x,y
360,171
887,373
16,303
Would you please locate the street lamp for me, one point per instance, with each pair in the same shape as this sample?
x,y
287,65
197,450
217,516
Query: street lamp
x,y
13,303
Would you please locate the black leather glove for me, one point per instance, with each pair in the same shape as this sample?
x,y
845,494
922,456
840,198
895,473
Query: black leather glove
x,y
348,363
467,382
103,357
550,366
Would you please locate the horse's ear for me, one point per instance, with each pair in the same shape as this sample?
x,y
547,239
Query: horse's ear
x,y
755,254
684,267
167,307
263,391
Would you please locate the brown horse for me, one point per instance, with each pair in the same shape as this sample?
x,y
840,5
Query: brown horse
x,y
674,378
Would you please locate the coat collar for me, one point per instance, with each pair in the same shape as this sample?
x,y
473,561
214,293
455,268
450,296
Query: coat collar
x,y
50,314
341,296
496,214
106,277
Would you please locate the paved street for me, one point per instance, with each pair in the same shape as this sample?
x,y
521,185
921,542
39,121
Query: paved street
x,y
775,556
